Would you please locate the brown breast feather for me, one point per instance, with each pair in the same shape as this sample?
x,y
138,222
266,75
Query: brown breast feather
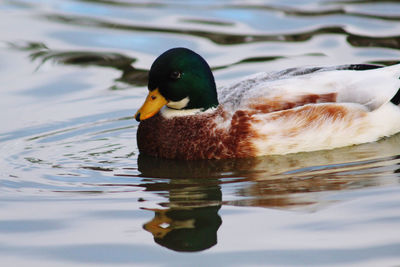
x,y
197,137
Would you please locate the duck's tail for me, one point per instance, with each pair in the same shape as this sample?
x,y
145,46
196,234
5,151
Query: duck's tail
x,y
396,99
394,71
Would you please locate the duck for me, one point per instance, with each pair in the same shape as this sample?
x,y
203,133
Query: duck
x,y
305,109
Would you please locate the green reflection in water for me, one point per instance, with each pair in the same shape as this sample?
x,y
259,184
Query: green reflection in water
x,y
190,226
190,221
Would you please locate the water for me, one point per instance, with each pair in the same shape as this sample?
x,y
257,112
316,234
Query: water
x,y
74,190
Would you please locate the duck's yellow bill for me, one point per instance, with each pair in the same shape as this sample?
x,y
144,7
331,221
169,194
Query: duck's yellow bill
x,y
154,102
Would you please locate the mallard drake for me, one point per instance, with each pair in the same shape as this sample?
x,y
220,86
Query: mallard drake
x,y
295,110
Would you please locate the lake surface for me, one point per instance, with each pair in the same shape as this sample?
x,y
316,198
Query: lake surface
x,y
74,190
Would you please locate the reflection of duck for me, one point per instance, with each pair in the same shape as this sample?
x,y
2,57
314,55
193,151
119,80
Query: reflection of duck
x,y
285,112
191,221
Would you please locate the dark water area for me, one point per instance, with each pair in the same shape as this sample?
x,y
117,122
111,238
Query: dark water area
x,y
74,190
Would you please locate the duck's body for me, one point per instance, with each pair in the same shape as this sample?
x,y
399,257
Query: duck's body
x,y
284,112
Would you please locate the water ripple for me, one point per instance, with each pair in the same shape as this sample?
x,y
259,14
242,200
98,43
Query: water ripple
x,y
231,39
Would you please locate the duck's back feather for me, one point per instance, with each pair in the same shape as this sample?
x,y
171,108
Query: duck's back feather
x,y
368,85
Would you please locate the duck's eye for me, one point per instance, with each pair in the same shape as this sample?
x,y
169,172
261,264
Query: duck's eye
x,y
175,75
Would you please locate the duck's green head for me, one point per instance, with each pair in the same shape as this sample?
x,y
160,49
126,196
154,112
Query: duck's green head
x,y
180,79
